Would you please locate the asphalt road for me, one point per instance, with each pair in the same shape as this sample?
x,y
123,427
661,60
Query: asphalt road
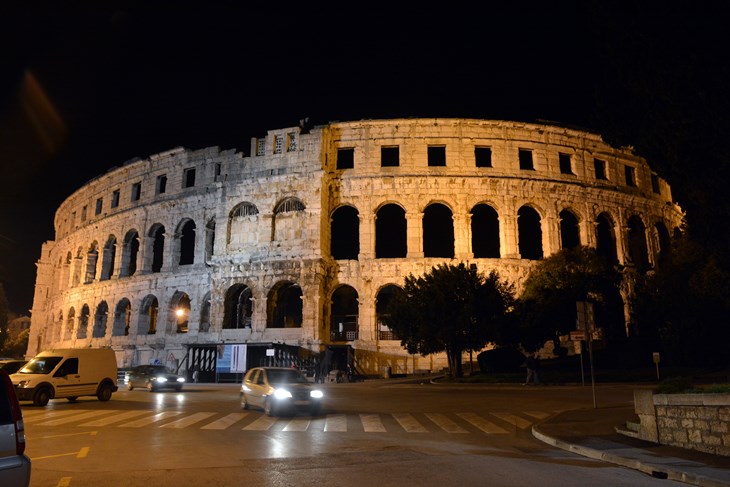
x,y
383,433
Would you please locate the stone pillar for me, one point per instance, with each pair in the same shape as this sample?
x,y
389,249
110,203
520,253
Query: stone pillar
x,y
551,238
508,236
367,236
414,237
462,242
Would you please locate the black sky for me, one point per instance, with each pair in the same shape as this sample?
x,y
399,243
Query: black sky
x,y
131,79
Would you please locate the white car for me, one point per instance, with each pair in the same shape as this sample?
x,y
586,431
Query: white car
x,y
280,390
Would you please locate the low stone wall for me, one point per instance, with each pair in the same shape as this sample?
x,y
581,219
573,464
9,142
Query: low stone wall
x,y
694,421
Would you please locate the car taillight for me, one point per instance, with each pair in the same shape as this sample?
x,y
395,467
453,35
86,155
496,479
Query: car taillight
x,y
17,415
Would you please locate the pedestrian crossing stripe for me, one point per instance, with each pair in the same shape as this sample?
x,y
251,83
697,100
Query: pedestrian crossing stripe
x,y
492,423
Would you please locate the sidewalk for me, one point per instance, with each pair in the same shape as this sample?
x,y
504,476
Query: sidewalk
x,y
592,433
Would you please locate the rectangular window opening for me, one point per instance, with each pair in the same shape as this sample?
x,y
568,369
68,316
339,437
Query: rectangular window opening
x,y
389,156
99,206
83,214
630,176
115,198
483,156
136,191
345,158
655,184
599,166
189,178
526,160
565,164
436,155
161,184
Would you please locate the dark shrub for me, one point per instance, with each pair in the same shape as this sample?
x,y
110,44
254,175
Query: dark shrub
x,y
504,359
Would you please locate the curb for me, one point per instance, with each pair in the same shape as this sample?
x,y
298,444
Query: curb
x,y
653,470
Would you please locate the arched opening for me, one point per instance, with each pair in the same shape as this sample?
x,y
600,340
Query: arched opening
x,y
345,233
606,239
485,232
187,243
287,220
238,307
569,232
91,259
100,318
383,299
83,322
147,324
530,233
638,253
130,251
284,306
122,314
180,311
70,321
205,313
390,232
242,225
108,259
438,231
157,234
344,313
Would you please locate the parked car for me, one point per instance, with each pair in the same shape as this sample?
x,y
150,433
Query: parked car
x,y
153,377
11,366
69,373
14,463
280,390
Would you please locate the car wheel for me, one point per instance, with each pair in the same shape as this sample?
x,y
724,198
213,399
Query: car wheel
x,y
130,387
105,393
72,398
150,386
41,396
244,402
268,407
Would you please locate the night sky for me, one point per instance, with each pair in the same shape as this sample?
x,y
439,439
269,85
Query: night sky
x,y
89,86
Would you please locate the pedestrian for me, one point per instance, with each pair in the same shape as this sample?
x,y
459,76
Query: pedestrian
x,y
196,374
533,365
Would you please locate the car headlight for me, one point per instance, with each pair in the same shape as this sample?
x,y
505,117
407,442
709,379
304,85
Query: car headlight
x,y
23,383
181,379
316,394
282,394
161,379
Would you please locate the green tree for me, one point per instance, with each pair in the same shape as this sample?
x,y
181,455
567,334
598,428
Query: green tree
x,y
16,347
546,308
452,309
681,307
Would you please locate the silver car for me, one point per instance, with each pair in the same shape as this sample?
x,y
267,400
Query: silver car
x,y
153,377
14,464
280,390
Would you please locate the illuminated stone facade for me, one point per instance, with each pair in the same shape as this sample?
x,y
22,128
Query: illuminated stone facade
x,y
303,242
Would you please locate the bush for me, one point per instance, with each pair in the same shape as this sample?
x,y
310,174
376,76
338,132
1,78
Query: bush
x,y
504,359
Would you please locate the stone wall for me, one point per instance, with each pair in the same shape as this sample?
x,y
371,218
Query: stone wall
x,y
698,422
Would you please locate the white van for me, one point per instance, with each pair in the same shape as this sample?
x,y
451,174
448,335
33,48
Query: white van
x,y
69,373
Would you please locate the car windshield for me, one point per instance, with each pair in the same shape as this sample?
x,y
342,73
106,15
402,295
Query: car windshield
x,y
158,369
285,376
40,365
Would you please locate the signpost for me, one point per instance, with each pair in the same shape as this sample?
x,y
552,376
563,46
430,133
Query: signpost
x,y
586,325
655,357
